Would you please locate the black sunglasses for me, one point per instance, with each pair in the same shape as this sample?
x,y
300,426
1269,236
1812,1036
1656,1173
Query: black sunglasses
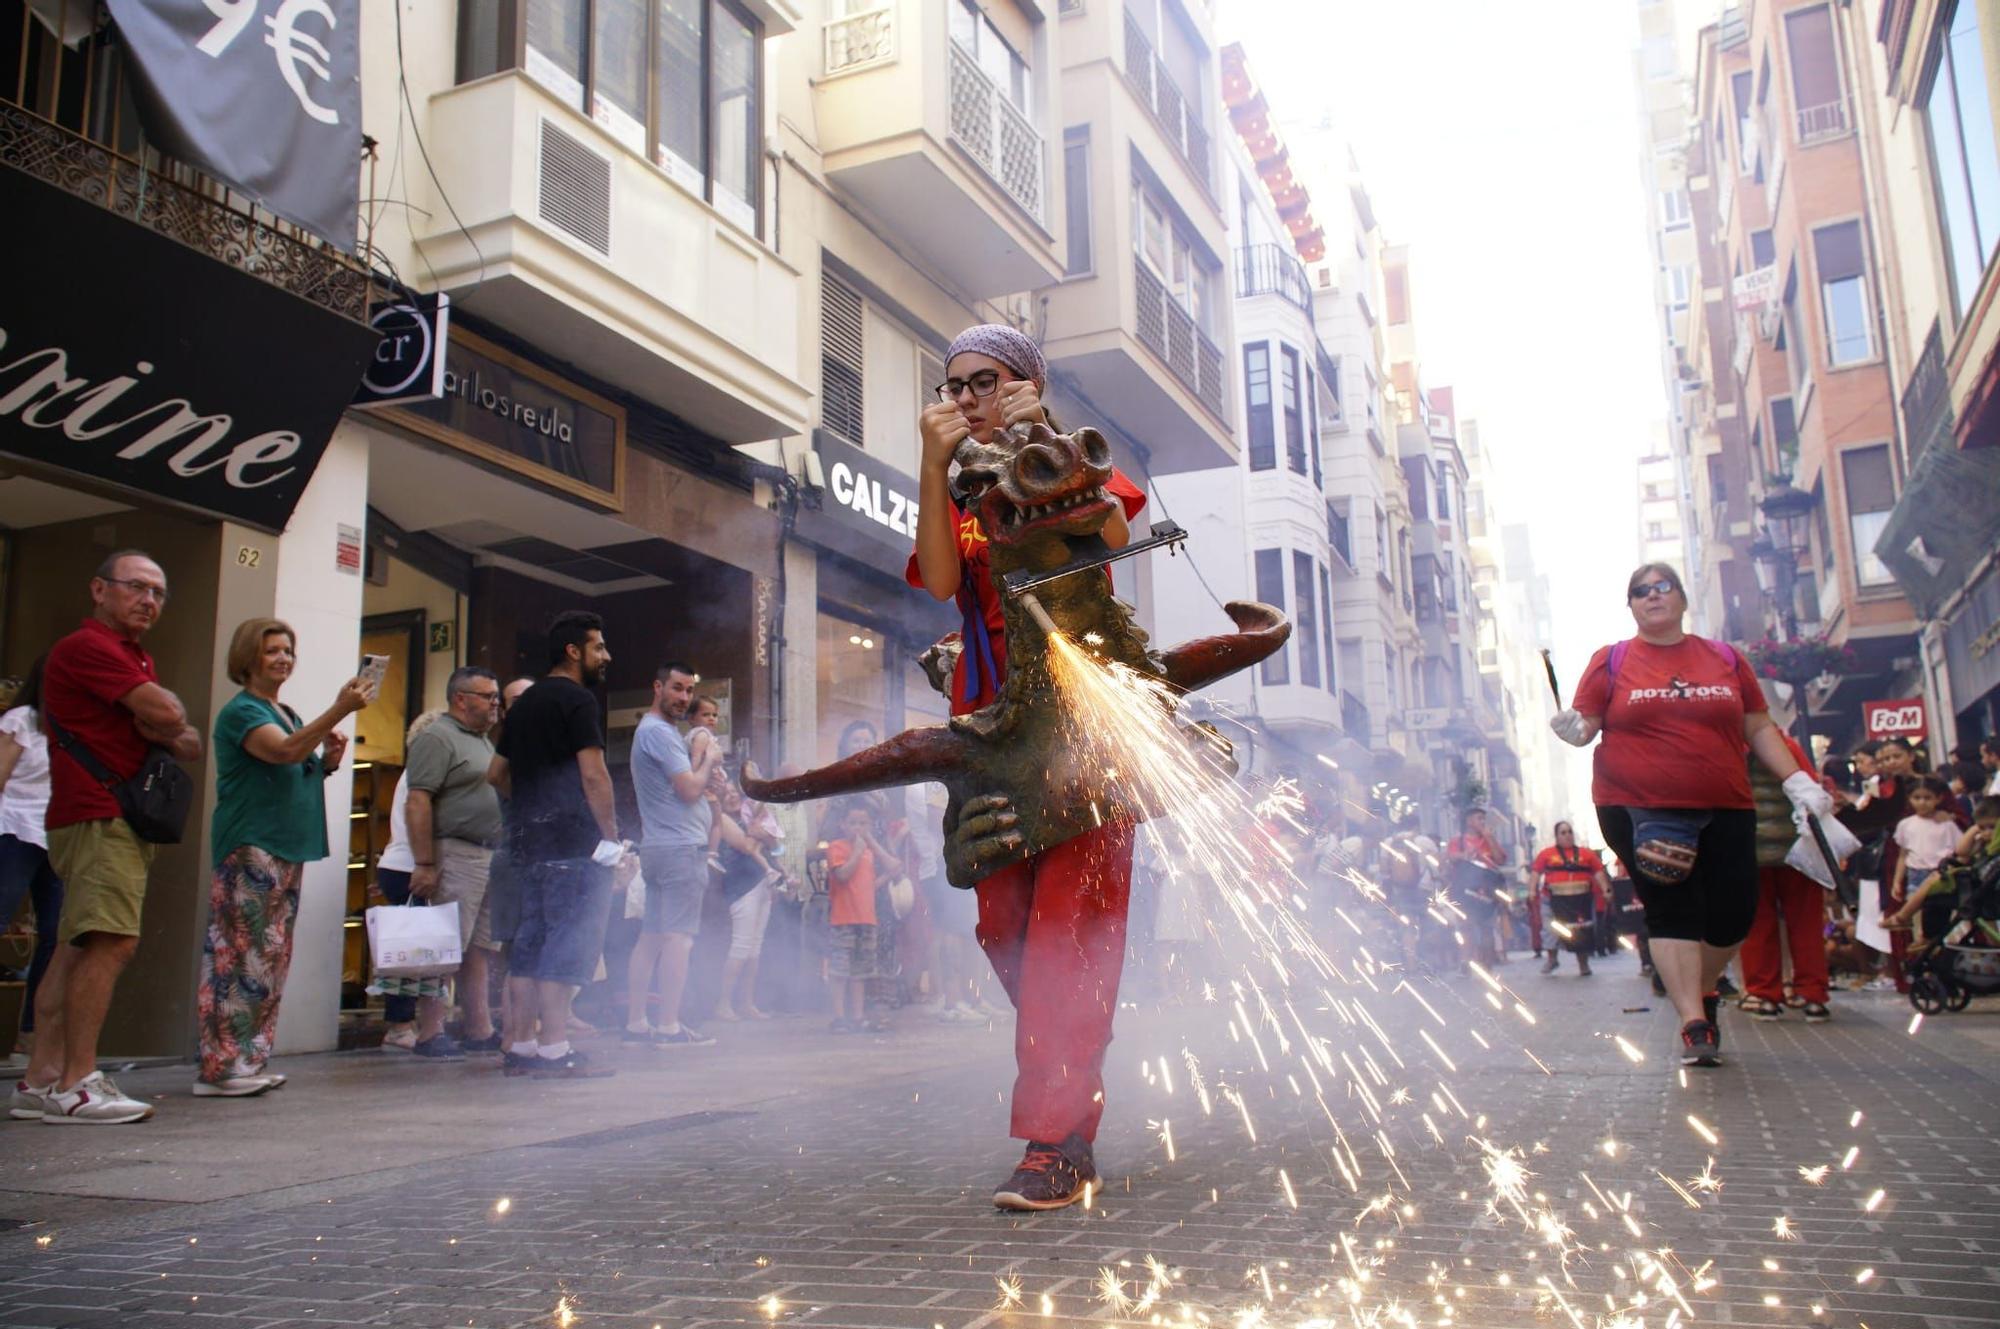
x,y
1651,589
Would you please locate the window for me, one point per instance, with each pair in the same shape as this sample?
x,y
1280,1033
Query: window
x,y
1308,626
1794,344
1739,90
1680,280
1843,290
1330,380
1417,479
1076,198
702,75
1288,390
1817,97
1257,397
1326,626
1655,531
1271,590
1870,482
1310,405
1964,158
841,359
1338,533
1784,436
1718,487
1443,492
1002,65
1381,542
1763,252
1674,212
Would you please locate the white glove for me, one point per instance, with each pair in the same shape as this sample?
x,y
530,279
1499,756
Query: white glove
x,y
1808,795
607,853
1571,727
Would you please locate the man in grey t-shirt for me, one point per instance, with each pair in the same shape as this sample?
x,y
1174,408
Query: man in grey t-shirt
x,y
671,781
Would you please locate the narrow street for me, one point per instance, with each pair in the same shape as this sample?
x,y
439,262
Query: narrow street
x,y
784,1176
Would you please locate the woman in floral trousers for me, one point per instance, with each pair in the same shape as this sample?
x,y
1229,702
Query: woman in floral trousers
x,y
270,821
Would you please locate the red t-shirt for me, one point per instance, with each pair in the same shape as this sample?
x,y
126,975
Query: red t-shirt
x,y
851,901
1582,864
1673,733
86,673
976,581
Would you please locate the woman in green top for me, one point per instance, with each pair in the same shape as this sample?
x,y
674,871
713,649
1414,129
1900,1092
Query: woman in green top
x,y
270,820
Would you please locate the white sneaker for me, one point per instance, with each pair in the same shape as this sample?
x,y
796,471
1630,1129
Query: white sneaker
x,y
29,1103
94,1101
241,1086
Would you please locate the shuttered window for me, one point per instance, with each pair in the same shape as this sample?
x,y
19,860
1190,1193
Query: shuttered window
x,y
1871,493
840,359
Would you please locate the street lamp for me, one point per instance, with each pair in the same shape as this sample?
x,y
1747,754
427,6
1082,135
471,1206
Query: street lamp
x,y
1775,552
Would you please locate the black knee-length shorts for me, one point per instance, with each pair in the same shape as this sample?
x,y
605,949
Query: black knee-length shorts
x,y
1719,898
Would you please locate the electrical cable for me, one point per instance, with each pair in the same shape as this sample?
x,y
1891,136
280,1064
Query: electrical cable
x,y
403,85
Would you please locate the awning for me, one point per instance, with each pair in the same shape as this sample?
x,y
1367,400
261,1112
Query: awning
x,y
1945,522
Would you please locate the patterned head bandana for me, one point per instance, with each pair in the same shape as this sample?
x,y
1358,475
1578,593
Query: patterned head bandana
x,y
1010,346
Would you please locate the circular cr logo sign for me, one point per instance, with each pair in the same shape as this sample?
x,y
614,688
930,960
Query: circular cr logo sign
x,y
404,353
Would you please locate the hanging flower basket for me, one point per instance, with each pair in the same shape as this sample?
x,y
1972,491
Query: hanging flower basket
x,y
1797,661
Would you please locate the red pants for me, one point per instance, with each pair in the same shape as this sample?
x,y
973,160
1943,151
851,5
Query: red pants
x,y
1788,893
1053,929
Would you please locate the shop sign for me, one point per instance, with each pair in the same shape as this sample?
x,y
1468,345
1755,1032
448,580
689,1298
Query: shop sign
x,y
1972,644
1427,718
868,509
220,399
1755,290
514,413
409,363
347,549
1903,718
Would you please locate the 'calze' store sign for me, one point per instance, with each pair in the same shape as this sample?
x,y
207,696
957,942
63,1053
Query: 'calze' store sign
x,y
868,511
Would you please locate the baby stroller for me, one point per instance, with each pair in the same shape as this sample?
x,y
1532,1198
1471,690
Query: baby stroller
x,y
1963,960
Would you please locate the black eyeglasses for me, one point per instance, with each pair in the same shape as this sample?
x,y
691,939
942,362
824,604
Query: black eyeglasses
x,y
144,589
983,384
1656,590
479,696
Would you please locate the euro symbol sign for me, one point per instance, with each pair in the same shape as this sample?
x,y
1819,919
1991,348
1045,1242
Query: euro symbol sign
x,y
295,49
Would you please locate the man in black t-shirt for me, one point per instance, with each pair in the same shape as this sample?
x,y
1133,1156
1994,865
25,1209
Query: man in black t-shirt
x,y
562,840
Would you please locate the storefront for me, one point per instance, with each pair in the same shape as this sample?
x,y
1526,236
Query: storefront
x,y
871,625
207,434
524,490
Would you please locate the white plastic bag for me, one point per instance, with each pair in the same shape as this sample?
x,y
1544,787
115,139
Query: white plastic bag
x,y
635,896
1806,857
407,941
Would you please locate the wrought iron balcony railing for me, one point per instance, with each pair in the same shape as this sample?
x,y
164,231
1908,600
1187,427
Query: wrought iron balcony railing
x,y
1273,269
987,124
65,119
858,41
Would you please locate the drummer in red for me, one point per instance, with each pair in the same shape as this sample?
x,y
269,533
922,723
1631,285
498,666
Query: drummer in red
x,y
1572,878
1053,927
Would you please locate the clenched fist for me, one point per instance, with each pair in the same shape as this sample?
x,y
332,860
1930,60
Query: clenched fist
x,y
943,427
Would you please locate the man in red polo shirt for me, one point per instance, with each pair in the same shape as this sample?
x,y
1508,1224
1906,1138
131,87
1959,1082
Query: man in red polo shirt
x,y
100,688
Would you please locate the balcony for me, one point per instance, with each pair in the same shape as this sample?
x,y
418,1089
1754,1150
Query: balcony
x,y
1354,718
1168,104
1169,332
1817,124
1273,270
936,153
583,244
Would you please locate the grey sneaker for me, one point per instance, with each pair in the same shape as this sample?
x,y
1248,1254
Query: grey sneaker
x,y
93,1101
237,1086
29,1103
439,1047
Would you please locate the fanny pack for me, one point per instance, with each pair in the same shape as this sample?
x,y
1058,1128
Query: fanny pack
x,y
155,802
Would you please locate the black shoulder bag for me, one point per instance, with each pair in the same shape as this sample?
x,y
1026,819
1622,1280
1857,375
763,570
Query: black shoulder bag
x,y
155,802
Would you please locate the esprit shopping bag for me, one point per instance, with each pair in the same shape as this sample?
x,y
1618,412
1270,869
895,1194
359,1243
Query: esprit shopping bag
x,y
414,941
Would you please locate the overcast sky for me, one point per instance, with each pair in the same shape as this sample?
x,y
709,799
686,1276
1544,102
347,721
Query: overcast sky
x,y
1501,142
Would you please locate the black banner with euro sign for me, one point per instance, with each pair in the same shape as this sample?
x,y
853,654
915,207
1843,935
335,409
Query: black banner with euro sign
x,y
132,358
262,94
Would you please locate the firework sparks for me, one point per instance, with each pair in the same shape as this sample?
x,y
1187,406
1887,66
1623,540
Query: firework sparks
x,y
1008,1287
1814,1176
1781,1227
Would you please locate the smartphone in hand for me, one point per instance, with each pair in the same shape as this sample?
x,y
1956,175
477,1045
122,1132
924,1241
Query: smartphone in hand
x,y
373,667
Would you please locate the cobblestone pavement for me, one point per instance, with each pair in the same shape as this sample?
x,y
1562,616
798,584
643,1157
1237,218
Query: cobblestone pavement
x,y
863,1202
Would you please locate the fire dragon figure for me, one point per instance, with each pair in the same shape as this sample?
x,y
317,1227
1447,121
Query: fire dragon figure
x,y
1040,497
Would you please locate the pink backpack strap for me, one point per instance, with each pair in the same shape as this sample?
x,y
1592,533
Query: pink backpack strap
x,y
1619,649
